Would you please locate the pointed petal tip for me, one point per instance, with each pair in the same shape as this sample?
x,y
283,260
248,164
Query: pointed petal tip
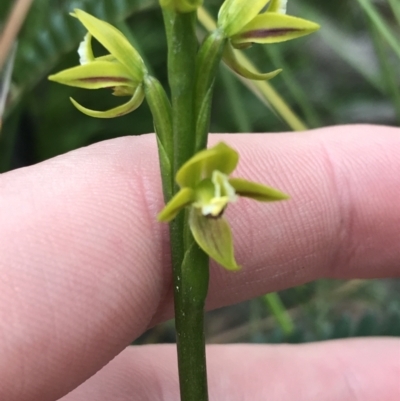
x,y
230,59
118,111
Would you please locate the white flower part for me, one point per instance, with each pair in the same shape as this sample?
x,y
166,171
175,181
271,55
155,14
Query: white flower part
x,y
282,7
85,50
222,186
215,207
224,193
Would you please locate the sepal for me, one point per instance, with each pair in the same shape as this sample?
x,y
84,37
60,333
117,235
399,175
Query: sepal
x,y
118,111
182,199
256,191
230,59
272,28
214,236
221,157
94,75
115,42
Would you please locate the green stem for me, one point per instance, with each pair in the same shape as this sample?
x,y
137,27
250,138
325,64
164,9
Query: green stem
x,y
279,311
182,50
189,262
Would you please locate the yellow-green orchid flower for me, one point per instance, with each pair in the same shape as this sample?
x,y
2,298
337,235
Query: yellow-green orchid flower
x,y
243,23
207,189
122,69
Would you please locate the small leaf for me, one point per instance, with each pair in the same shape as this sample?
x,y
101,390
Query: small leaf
x,y
230,59
203,120
207,63
115,42
118,111
160,107
256,191
221,157
235,14
182,199
272,28
215,238
165,167
95,75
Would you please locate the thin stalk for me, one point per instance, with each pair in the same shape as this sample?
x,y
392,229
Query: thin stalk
x,y
190,264
395,6
278,310
381,25
388,73
294,87
182,50
239,114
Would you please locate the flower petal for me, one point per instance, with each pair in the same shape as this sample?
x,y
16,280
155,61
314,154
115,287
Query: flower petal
x,y
215,238
221,157
235,14
95,75
277,6
230,59
254,190
115,42
85,50
182,199
118,111
272,28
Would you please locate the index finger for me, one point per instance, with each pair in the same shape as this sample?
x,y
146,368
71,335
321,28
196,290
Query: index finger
x,y
85,267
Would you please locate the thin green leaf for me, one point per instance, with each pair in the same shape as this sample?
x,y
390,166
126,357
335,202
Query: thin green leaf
x,y
160,107
388,72
381,25
395,5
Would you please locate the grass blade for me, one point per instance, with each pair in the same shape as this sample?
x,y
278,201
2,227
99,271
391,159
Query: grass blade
x,y
380,25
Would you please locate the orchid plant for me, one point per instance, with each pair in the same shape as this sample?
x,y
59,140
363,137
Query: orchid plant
x,y
197,182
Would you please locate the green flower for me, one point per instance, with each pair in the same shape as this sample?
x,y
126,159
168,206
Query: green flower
x,y
243,23
207,189
122,69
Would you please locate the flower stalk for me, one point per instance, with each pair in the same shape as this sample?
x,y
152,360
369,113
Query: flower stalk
x,y
197,182
189,262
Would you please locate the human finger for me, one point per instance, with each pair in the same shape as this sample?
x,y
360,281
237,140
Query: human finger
x,y
84,266
341,370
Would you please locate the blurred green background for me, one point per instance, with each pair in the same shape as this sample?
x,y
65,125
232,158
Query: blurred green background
x,y
348,72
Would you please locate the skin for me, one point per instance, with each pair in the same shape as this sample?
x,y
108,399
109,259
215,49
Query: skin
x,y
84,269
